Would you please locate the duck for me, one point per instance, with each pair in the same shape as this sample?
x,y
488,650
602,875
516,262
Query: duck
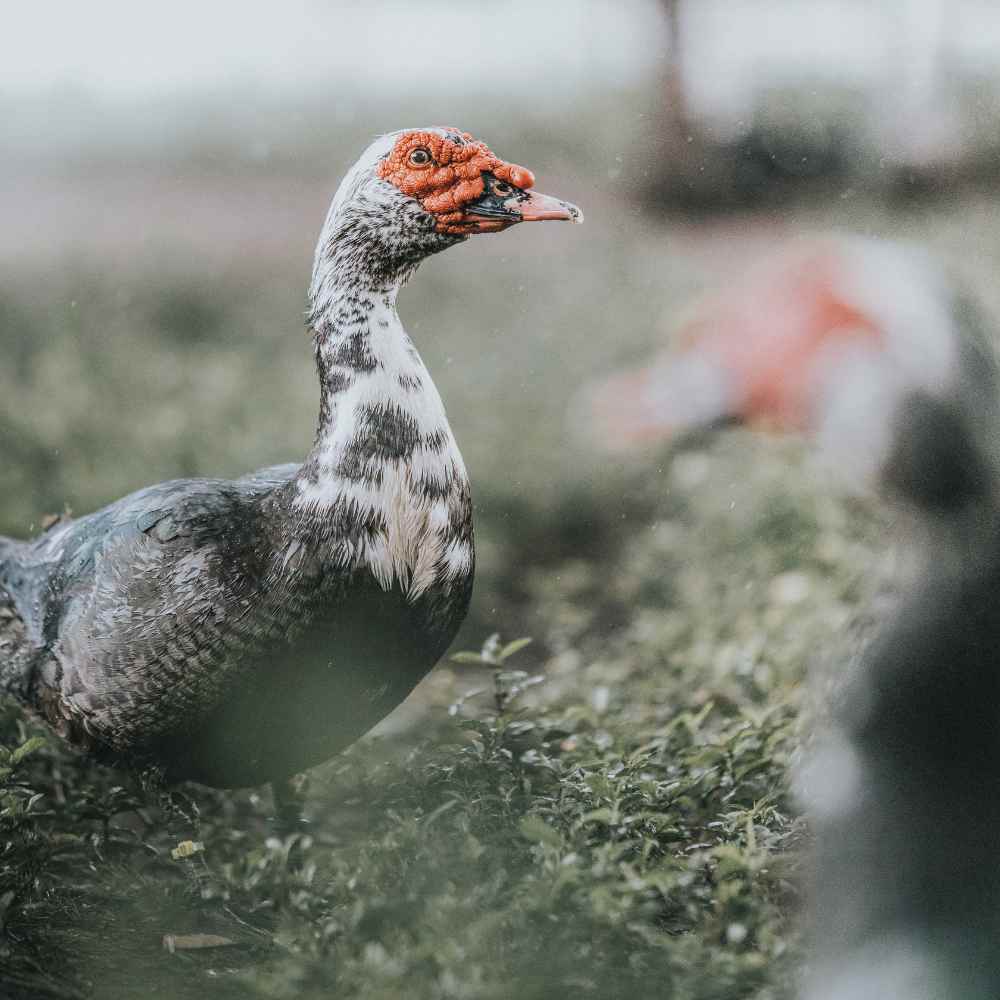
x,y
763,350
237,632
884,363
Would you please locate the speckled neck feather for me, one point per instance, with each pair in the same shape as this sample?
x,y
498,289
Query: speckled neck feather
x,y
384,454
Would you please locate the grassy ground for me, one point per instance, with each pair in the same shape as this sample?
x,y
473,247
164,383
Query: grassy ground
x,y
622,828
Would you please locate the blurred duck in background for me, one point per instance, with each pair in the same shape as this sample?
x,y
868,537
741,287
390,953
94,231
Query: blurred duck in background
x,y
887,366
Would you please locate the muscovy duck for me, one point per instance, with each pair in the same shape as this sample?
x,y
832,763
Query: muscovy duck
x,y
237,632
820,301
886,363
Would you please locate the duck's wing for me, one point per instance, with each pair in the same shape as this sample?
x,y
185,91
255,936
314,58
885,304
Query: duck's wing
x,y
147,595
209,512
45,573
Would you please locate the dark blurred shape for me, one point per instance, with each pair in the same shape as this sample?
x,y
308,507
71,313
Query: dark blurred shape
x,y
907,893
187,314
872,352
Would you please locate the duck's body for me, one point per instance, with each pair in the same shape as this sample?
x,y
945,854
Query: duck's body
x,y
238,671
235,632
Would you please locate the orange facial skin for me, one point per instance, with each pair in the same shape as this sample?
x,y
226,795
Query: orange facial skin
x,y
451,178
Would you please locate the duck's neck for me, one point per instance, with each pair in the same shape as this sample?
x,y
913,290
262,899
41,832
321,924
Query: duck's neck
x,y
384,465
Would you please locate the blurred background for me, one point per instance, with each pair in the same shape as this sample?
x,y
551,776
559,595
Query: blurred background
x,y
164,172
164,178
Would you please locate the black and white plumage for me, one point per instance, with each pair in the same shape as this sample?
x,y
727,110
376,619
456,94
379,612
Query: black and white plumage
x,y
235,632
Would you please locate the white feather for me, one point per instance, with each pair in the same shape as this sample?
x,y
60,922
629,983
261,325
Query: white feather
x,y
416,536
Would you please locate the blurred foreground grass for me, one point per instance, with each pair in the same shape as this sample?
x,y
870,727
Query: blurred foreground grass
x,y
622,829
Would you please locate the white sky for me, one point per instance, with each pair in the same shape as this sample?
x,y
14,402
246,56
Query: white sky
x,y
139,48
124,53
733,49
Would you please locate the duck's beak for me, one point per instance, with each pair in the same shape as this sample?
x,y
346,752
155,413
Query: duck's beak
x,y
539,207
502,205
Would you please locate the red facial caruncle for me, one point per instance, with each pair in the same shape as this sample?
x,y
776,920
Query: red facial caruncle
x,y
445,173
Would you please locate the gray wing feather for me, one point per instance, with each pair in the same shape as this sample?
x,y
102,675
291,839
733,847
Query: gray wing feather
x,y
111,594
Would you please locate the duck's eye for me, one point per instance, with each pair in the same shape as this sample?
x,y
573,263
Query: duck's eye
x,y
502,188
420,157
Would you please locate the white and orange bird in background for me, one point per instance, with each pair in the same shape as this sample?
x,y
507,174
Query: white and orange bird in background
x,y
829,336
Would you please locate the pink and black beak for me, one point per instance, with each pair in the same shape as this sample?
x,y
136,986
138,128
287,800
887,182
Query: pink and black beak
x,y
503,205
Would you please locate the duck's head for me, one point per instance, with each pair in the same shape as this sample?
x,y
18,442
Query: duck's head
x,y
416,192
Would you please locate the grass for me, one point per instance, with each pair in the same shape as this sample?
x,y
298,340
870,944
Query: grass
x,y
623,827
546,852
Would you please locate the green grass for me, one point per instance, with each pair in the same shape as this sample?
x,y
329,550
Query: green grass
x,y
543,852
